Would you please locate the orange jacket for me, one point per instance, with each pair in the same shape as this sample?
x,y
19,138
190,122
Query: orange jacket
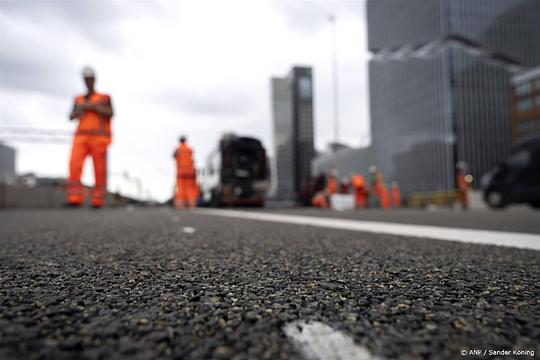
x,y
91,123
461,181
184,160
357,181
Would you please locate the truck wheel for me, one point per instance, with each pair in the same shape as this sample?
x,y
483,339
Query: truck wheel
x,y
215,200
495,199
535,204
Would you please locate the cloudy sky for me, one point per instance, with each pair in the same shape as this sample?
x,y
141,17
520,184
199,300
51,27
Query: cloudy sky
x,y
197,67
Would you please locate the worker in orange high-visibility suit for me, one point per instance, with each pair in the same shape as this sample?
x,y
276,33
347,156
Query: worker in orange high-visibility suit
x,y
331,184
463,182
396,194
384,196
187,190
93,136
320,198
360,190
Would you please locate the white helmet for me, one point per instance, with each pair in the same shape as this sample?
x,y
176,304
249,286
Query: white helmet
x,y
88,72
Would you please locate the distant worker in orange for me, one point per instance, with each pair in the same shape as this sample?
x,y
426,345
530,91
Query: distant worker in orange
x,y
331,183
463,182
187,190
360,191
319,198
92,137
396,194
384,196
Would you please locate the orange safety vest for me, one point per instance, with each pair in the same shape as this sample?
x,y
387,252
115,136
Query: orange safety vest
x,y
91,123
357,181
184,161
461,182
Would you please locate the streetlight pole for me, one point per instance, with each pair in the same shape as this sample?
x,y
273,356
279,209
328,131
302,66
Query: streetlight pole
x,y
335,78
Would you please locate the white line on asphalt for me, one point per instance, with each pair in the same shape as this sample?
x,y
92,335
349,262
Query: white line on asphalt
x,y
188,229
486,237
316,340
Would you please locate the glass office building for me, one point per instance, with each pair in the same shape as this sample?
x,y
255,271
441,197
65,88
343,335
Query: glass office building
x,y
292,102
526,105
440,84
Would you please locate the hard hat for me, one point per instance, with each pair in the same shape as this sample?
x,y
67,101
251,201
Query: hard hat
x,y
88,72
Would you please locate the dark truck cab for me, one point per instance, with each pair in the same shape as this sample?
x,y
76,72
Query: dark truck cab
x,y
517,179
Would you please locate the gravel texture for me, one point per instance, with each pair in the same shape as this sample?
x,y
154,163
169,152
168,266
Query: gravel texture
x,y
117,284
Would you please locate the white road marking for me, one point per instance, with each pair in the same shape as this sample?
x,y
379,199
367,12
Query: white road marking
x,y
316,340
486,237
188,229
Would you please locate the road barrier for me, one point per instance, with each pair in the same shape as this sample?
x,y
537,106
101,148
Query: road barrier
x,y
437,198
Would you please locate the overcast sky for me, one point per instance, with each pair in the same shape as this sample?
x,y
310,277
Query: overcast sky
x,y
197,67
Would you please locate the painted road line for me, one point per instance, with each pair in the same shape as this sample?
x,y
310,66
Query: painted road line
x,y
316,340
188,229
503,238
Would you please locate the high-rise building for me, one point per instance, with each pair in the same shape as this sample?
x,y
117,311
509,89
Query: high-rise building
x,y
345,161
526,105
7,163
439,84
292,100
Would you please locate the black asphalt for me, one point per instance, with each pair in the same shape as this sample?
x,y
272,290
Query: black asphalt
x,y
117,284
518,219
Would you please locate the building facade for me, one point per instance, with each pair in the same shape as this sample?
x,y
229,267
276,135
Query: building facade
x,y
526,105
7,163
344,160
439,84
292,104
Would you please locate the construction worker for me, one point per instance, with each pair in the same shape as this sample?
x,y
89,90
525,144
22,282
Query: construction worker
x,y
331,186
375,199
384,195
319,198
344,185
396,194
331,183
463,181
92,137
360,191
187,190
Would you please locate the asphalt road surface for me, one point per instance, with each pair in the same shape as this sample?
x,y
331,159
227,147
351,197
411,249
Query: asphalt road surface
x,y
518,219
156,283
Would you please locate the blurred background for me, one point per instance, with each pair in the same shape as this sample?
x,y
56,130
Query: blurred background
x,y
419,89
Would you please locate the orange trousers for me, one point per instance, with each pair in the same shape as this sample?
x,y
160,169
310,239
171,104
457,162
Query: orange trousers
x,y
464,198
187,191
319,200
360,197
396,198
83,146
385,198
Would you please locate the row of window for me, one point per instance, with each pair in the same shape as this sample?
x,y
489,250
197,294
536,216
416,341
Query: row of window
x,y
527,103
529,125
527,88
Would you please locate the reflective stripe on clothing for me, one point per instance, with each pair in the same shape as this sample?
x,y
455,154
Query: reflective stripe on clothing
x,y
84,146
